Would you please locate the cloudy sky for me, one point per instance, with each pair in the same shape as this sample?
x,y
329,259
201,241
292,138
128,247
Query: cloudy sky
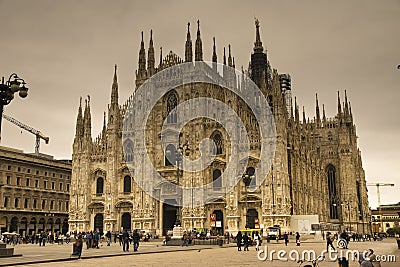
x,y
67,49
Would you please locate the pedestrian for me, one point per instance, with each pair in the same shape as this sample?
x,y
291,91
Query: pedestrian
x,y
44,237
257,240
96,238
136,238
286,238
108,235
323,235
239,241
88,239
185,239
297,239
329,241
246,242
373,259
115,237
125,240
77,251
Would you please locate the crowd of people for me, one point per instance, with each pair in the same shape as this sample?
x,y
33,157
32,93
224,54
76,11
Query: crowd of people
x,y
40,238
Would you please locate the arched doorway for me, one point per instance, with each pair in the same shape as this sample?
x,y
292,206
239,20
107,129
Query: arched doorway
x,y
23,226
3,224
14,224
41,225
32,226
49,226
169,216
98,223
126,221
57,225
252,215
219,222
65,226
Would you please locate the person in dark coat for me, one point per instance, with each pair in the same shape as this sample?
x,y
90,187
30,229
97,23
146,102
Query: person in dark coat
x,y
246,241
125,240
297,239
135,237
239,241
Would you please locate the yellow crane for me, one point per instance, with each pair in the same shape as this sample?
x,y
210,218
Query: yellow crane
x,y
378,185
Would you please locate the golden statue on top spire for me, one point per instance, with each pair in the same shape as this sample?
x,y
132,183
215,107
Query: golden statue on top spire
x,y
257,21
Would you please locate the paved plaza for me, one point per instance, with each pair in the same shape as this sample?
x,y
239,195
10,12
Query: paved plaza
x,y
154,254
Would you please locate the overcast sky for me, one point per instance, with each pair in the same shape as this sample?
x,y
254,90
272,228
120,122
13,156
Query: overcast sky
x,y
67,49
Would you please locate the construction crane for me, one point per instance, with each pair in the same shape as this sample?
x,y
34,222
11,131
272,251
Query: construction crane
x,y
378,185
37,133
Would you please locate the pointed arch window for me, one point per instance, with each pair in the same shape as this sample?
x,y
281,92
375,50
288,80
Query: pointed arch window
x,y
128,151
172,102
99,185
251,172
170,155
217,179
217,138
332,191
127,184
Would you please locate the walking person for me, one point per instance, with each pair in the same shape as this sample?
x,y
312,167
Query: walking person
x,y
257,240
77,247
96,238
329,241
108,235
246,242
239,241
297,239
136,238
88,239
185,239
286,238
125,240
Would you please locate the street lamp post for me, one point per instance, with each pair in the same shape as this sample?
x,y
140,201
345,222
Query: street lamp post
x,y
178,156
8,89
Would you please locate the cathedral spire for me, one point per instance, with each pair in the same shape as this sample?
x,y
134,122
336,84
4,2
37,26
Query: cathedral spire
x,y
317,110
323,114
160,56
339,105
229,56
304,116
150,57
214,58
224,57
233,65
346,104
142,61
79,121
114,88
296,110
258,48
199,49
259,61
188,45
87,120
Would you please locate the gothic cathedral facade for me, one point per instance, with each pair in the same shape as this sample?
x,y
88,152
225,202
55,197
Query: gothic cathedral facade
x,y
317,167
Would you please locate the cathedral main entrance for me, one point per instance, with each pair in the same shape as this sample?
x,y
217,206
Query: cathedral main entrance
x,y
126,221
98,223
169,217
219,222
252,215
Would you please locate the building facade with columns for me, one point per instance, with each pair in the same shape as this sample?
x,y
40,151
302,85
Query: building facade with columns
x,y
34,192
317,167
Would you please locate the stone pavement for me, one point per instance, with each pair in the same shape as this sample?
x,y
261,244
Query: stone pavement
x,y
154,254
